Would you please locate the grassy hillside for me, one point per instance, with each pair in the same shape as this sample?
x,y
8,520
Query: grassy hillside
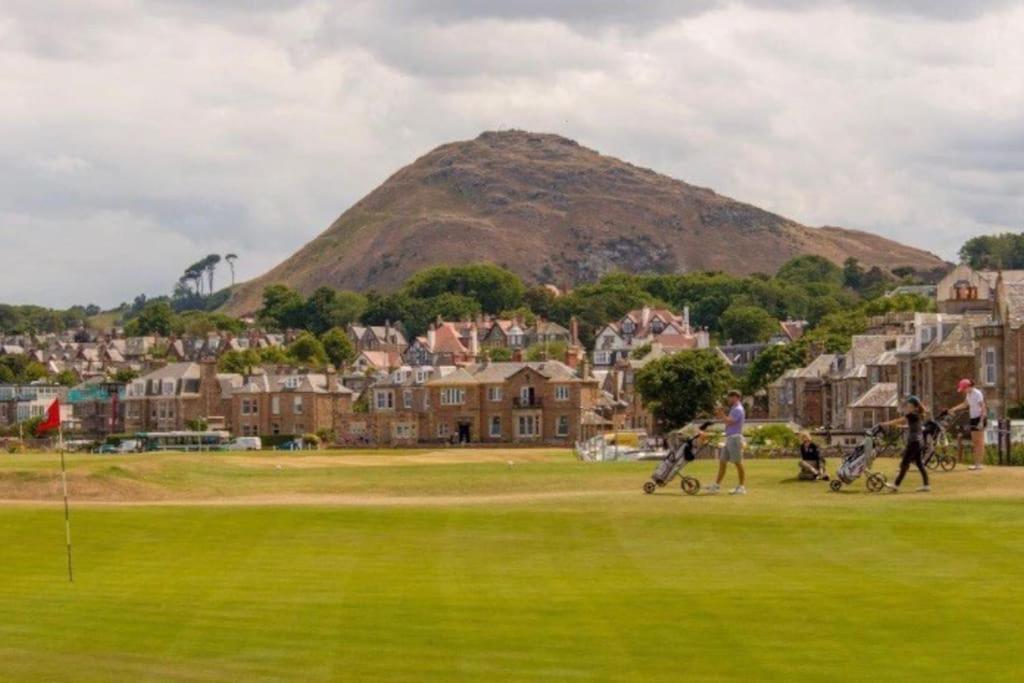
x,y
389,567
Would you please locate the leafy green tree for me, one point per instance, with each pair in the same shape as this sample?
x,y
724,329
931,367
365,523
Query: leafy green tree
x,y
835,330
327,308
66,378
678,388
273,355
495,289
807,269
241,362
1005,250
124,375
745,324
283,308
339,347
307,349
771,363
156,317
550,351
498,354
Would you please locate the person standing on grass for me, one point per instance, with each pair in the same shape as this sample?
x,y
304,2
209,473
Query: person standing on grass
x,y
733,450
977,410
913,419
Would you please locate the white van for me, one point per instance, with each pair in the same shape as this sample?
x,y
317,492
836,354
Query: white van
x,y
246,443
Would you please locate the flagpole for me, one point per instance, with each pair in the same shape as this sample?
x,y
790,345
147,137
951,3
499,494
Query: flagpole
x,y
67,511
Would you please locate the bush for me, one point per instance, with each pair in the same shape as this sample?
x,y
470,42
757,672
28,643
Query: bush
x,y
311,440
774,435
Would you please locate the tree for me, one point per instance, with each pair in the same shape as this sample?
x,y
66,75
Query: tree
x,y
210,267
809,268
497,354
551,351
239,362
678,388
746,324
230,260
155,318
771,363
124,375
493,288
66,378
992,252
327,308
339,347
283,308
308,349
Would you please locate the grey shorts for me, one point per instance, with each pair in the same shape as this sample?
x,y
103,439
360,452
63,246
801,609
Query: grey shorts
x,y
733,449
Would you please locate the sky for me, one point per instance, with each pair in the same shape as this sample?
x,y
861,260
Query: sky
x,y
140,135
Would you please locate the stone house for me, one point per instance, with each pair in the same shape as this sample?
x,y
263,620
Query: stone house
x,y
489,402
170,397
386,337
288,404
641,327
799,394
878,404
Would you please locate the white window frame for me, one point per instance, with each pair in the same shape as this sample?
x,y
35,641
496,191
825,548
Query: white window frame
x,y
275,405
453,396
990,369
495,426
297,406
528,426
562,392
494,394
384,399
407,399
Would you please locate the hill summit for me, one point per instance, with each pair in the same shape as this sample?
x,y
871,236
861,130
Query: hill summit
x,y
553,211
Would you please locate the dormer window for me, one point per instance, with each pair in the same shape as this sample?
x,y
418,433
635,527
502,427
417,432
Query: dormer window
x,y
291,383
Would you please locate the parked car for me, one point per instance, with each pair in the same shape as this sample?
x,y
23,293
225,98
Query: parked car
x,y
293,445
246,443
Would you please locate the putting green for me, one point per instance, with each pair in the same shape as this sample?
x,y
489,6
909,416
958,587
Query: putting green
x,y
391,567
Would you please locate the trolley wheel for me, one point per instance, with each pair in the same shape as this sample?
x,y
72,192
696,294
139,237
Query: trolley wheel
x,y
649,487
876,482
690,486
835,484
948,463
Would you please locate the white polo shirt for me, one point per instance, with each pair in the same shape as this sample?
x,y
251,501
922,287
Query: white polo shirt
x,y
975,401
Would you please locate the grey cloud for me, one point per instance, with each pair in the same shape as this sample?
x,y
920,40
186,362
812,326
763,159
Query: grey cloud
x,y
147,134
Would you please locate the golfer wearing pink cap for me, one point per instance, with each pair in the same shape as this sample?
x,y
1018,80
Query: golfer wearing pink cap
x,y
974,402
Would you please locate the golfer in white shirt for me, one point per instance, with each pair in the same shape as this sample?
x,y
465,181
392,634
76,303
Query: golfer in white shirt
x,y
974,403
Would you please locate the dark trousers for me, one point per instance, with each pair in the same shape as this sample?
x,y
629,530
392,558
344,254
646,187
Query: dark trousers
x,y
912,455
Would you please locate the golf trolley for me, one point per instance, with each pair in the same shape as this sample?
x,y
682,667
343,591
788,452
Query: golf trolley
x,y
673,464
936,442
858,463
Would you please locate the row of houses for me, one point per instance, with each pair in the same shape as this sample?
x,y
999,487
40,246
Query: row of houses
x,y
976,332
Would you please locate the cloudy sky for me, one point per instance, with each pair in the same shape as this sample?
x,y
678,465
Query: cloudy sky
x,y
140,135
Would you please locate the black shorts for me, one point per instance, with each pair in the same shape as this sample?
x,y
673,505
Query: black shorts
x,y
977,424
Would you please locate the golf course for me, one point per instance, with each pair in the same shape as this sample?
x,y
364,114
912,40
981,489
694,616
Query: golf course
x,y
499,565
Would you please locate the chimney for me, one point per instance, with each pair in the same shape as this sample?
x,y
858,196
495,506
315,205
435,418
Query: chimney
x,y
431,338
387,331
574,331
332,379
517,356
474,342
686,318
645,315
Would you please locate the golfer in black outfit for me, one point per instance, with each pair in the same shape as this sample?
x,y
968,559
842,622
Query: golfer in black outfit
x,y
913,418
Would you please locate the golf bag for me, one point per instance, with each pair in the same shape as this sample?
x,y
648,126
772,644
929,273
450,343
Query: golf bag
x,y
859,462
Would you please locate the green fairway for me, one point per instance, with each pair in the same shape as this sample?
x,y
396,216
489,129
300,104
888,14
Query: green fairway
x,y
391,567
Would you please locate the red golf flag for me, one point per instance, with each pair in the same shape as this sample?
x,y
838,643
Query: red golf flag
x,y
52,420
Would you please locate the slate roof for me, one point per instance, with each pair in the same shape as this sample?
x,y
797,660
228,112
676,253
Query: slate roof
x,y
882,395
